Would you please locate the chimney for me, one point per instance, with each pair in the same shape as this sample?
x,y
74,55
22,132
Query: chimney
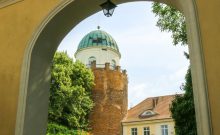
x,y
155,101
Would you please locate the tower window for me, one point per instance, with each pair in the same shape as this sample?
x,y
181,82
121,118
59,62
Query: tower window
x,y
91,59
113,64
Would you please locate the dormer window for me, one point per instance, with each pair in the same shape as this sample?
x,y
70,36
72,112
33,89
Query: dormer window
x,y
147,113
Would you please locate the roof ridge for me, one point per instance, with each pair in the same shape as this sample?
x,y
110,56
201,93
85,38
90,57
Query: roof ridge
x,y
159,105
148,98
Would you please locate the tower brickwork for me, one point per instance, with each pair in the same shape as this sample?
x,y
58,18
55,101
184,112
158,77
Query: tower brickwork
x,y
110,97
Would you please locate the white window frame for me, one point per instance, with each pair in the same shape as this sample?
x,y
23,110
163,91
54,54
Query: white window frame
x,y
164,130
134,131
146,130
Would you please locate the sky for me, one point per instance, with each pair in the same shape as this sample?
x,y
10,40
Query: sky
x,y
154,66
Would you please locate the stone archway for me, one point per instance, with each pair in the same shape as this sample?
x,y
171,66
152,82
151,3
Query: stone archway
x,y
34,91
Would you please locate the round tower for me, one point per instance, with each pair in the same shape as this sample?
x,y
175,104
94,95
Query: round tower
x,y
99,51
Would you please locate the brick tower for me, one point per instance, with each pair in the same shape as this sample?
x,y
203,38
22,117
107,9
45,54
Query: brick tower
x,y
99,51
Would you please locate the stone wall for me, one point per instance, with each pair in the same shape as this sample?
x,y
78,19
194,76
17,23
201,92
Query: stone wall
x,y
110,96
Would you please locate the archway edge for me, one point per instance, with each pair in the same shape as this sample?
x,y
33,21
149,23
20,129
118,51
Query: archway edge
x,y
45,40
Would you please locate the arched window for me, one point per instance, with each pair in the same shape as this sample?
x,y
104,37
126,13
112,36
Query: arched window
x,y
91,59
147,114
113,63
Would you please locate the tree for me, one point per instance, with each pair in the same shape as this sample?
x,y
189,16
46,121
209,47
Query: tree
x,y
55,129
182,109
70,93
171,20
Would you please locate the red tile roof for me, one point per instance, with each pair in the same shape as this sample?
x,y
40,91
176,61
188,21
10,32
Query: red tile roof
x,y
160,105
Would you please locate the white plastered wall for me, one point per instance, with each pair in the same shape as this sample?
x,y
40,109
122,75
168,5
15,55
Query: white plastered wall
x,y
102,55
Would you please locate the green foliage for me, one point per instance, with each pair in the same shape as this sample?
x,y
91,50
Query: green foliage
x,y
55,129
70,92
172,21
183,111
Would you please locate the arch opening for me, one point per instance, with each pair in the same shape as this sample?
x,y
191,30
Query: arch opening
x,y
34,91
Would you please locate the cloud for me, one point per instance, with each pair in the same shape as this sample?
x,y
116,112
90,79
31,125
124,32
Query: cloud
x,y
136,93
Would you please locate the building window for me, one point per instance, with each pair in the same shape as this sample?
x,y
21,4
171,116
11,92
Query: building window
x,y
147,114
91,59
146,131
113,64
164,129
133,131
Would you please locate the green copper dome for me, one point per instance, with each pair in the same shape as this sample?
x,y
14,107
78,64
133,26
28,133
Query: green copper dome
x,y
98,38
